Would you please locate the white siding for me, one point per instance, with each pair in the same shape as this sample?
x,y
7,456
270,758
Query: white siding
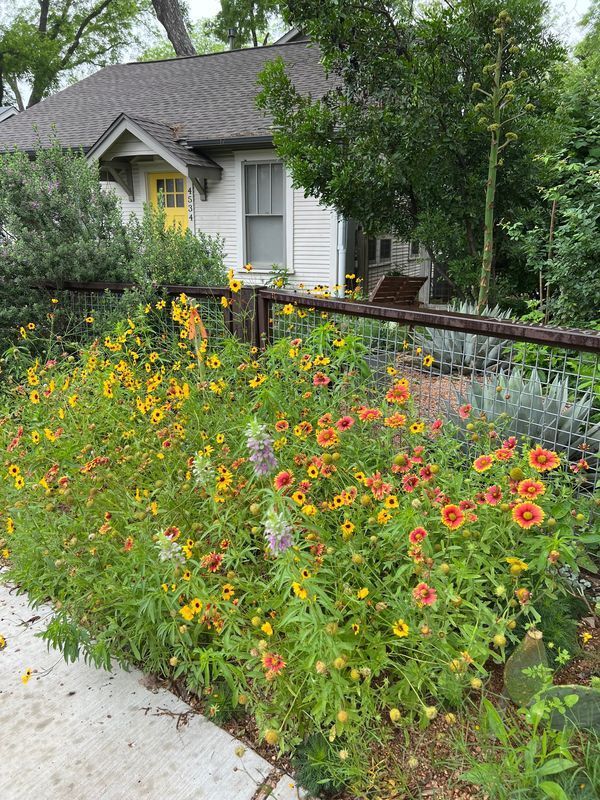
x,y
308,223
127,145
314,244
139,193
217,215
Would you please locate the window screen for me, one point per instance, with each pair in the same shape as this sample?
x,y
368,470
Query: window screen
x,y
385,249
264,213
372,249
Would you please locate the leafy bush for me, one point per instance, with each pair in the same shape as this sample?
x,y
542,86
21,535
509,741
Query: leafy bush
x,y
56,224
262,525
455,351
165,254
568,259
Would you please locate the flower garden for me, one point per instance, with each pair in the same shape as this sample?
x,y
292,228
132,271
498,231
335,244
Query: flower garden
x,y
274,534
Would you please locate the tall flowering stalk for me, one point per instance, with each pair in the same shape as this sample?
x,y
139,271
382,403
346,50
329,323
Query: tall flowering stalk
x,y
260,445
278,532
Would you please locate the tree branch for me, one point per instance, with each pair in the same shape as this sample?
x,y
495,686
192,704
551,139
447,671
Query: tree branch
x,y
89,18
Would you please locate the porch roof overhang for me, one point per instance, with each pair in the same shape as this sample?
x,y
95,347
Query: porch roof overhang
x,y
160,140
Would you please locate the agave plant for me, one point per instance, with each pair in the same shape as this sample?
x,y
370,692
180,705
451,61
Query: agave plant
x,y
455,351
540,411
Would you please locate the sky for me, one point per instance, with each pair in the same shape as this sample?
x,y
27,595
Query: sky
x,y
568,13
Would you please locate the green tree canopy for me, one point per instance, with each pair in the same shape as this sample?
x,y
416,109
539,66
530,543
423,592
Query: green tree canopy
x,y
252,19
203,39
398,143
48,39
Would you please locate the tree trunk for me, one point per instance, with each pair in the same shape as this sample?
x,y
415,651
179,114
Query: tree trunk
x,y
15,90
253,26
168,13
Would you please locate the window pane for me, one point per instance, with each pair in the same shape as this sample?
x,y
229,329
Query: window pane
x,y
372,249
264,188
250,188
170,201
170,184
264,240
160,185
179,201
415,248
179,184
385,249
277,189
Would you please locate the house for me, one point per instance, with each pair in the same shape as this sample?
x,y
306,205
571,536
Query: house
x,y
186,132
6,112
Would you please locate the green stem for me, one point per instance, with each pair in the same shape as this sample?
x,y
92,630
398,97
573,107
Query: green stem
x,y
490,191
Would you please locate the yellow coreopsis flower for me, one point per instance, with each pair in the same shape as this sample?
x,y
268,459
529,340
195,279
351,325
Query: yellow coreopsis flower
x,y
400,628
299,590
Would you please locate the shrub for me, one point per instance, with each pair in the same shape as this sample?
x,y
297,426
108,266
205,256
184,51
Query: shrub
x,y
261,525
56,224
163,254
544,412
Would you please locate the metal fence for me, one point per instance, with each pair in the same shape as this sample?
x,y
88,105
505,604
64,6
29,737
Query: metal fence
x,y
530,381
537,382
84,309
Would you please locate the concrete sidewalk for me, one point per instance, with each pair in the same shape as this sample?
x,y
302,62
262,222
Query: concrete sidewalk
x,y
74,731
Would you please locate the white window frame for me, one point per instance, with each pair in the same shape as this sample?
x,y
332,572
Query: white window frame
x,y
242,158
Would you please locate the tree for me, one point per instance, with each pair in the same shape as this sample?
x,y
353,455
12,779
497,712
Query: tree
x,y
588,50
397,142
53,37
560,234
202,38
251,20
170,14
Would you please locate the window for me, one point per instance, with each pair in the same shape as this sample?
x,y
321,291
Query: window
x,y
379,250
415,248
385,249
264,213
372,247
169,192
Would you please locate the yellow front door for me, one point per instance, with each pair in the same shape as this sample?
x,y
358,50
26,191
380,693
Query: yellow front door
x,y
168,190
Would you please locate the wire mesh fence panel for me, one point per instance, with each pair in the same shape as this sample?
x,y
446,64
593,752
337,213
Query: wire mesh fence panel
x,y
81,315
547,394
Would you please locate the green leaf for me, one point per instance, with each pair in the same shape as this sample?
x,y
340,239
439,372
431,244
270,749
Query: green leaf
x,y
553,790
570,700
556,765
561,510
495,723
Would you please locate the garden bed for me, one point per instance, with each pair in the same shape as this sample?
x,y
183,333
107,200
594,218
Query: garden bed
x,y
286,540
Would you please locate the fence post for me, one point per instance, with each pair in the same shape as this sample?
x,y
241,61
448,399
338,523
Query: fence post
x,y
262,329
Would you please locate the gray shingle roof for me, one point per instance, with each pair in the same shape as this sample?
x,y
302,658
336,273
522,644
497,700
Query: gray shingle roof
x,y
209,97
167,137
